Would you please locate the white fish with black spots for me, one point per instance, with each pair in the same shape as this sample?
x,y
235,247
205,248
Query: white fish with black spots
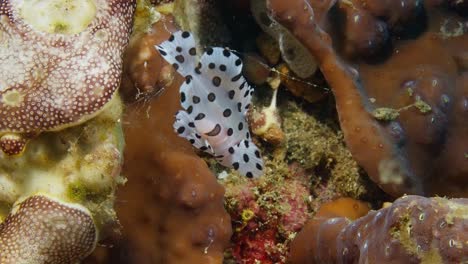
x,y
216,98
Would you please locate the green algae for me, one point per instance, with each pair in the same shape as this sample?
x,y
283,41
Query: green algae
x,y
145,16
402,232
318,147
78,192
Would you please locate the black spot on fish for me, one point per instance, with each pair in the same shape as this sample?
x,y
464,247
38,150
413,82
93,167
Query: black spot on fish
x,y
190,109
192,141
203,148
209,51
197,69
239,107
259,167
227,112
216,81
238,62
215,131
182,97
211,97
162,52
191,124
176,66
231,94
180,58
179,49
222,67
257,154
188,79
246,158
237,77
200,116
192,51
171,38
246,93
211,65
181,130
196,99
230,131
240,126
249,174
231,150
246,143
185,34
235,165
226,53
242,86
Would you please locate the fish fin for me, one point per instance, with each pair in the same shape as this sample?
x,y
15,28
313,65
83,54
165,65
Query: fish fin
x,y
184,126
180,51
245,157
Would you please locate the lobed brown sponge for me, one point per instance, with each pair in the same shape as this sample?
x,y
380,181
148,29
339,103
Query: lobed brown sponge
x,y
402,117
413,229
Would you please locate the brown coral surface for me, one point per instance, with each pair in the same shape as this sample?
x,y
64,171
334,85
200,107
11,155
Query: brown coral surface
x,y
402,117
413,229
171,209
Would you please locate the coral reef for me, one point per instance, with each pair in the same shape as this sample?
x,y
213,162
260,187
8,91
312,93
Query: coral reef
x,y
144,72
312,167
293,52
60,69
191,15
171,209
43,230
266,213
60,66
413,229
78,167
425,74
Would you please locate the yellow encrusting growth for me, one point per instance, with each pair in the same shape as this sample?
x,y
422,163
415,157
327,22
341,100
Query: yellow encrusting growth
x,y
57,16
79,164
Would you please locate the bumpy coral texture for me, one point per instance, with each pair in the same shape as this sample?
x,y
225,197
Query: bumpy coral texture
x,y
423,84
172,207
43,230
413,229
265,215
49,80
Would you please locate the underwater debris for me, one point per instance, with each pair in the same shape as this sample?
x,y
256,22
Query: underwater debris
x,y
216,99
60,64
46,230
413,229
396,154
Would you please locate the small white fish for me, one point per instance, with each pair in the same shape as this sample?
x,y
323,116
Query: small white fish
x,y
216,98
